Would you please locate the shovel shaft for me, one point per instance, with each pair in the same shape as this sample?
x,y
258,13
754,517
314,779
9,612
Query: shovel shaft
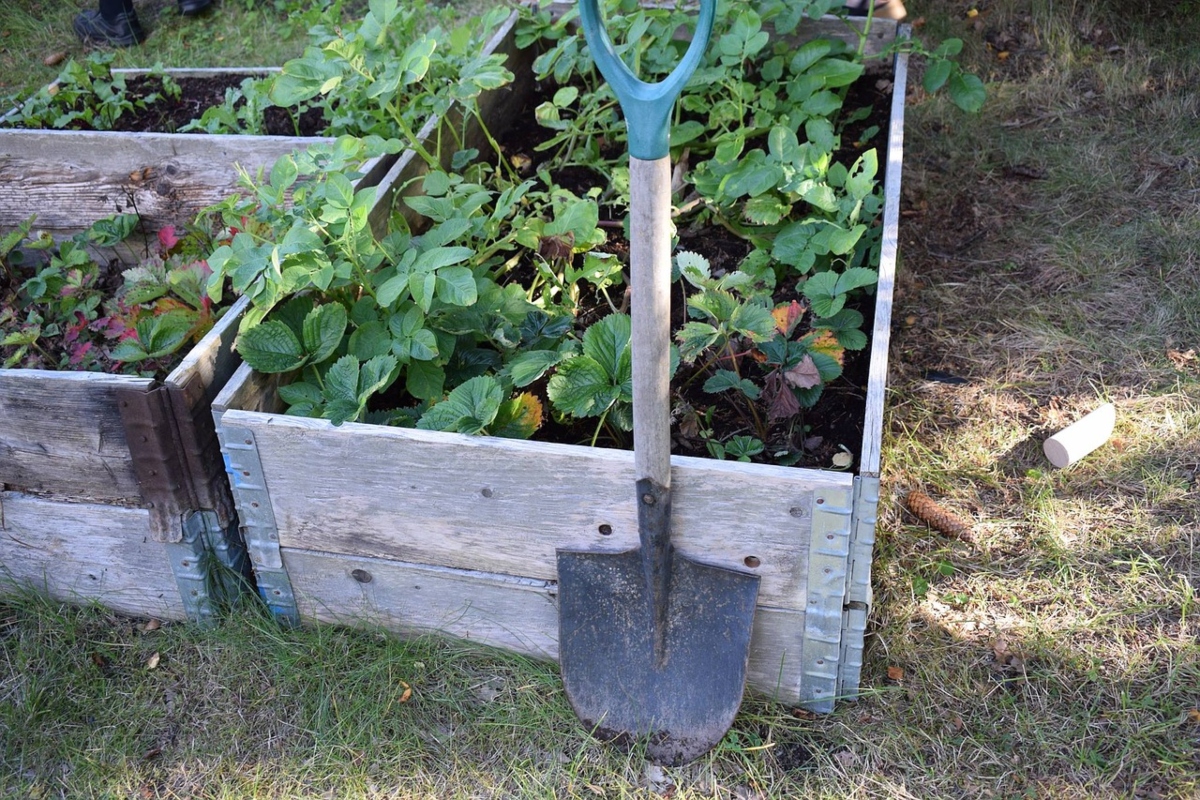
x,y
650,265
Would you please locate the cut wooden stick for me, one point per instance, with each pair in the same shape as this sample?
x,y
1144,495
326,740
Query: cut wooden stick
x,y
928,511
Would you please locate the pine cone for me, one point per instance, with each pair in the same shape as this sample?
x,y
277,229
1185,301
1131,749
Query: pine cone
x,y
938,518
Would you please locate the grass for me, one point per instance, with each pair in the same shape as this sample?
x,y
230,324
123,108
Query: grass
x,y
1051,256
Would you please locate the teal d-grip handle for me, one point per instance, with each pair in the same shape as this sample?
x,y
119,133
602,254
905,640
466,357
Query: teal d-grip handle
x,y
647,106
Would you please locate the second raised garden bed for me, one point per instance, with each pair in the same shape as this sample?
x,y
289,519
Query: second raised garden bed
x,y
427,531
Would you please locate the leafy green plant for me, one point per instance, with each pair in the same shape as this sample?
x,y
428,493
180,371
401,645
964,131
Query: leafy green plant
x,y
59,312
87,95
385,75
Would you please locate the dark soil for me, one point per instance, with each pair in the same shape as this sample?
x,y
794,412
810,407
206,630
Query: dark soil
x,y
818,433
168,114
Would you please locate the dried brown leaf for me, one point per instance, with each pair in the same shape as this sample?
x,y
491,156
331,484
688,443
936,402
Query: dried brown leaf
x,y
804,375
406,695
152,662
895,674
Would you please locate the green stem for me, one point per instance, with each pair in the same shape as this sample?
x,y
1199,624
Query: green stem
x,y
600,424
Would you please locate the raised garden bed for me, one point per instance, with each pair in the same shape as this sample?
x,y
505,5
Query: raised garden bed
x,y
114,488
421,530
71,178
113,485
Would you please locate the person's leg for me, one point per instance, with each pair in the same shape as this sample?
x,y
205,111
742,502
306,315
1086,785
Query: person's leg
x,y
114,23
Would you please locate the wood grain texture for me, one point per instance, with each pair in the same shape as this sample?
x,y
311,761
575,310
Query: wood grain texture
x,y
516,614
650,341
83,552
70,179
504,506
210,364
61,433
881,332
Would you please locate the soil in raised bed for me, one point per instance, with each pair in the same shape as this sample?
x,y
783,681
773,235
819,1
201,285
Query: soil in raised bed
x,y
818,433
197,94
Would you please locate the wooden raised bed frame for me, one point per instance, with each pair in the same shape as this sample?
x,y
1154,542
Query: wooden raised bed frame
x,y
423,531
112,486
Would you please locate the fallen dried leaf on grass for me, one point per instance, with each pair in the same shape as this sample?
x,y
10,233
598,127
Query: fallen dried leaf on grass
x,y
54,59
1193,716
1182,360
406,695
938,518
152,662
895,674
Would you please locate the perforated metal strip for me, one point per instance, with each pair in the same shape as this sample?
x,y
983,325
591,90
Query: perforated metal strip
x,y
258,520
827,570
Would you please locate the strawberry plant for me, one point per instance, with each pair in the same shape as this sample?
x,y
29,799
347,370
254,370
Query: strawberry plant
x,y
68,305
86,94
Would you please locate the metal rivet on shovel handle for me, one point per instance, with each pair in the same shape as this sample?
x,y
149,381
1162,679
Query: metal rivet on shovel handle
x,y
653,644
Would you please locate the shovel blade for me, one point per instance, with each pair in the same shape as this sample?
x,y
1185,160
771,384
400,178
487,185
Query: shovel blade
x,y
680,700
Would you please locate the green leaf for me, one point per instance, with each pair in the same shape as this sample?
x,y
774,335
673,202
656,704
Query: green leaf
x,y
809,54
369,340
162,334
440,257
854,278
323,329
967,92
425,380
837,72
582,388
456,286
112,230
271,347
694,338
469,408
341,381
725,379
301,392
529,366
607,342
936,75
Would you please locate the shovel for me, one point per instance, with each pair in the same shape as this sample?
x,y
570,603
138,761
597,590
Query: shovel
x,y
652,644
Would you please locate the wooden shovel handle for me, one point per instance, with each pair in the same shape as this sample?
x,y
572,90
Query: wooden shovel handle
x,y
650,265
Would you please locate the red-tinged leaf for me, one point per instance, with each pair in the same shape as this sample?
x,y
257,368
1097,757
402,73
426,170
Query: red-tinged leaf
x,y
804,375
167,238
787,317
781,401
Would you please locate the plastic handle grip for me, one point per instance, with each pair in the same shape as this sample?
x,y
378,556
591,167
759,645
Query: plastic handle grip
x,y
646,106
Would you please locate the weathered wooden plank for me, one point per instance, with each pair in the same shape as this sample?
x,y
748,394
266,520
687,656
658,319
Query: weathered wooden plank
x,y
61,433
881,332
517,614
83,552
504,506
70,179
248,390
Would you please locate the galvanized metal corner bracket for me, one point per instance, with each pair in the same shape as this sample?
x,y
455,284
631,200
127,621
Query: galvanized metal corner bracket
x,y
259,528
826,588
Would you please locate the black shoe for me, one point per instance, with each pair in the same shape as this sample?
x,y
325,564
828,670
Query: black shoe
x,y
123,31
190,8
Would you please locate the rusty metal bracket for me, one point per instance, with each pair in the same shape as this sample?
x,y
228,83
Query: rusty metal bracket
x,y
175,457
